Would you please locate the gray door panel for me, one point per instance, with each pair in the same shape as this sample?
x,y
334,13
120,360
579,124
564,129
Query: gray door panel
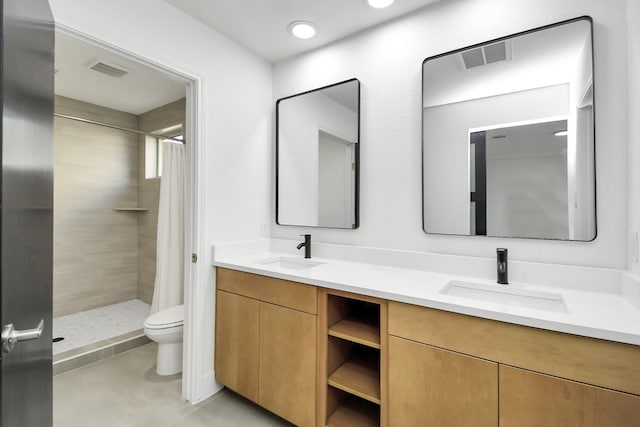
x,y
26,211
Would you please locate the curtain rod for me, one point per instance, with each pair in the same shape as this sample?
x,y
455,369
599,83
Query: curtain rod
x,y
139,132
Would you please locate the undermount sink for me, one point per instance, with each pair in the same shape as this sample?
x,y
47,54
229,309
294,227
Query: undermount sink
x,y
290,263
506,295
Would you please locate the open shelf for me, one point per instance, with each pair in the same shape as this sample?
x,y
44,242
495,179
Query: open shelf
x,y
131,209
354,320
359,377
358,331
355,413
354,354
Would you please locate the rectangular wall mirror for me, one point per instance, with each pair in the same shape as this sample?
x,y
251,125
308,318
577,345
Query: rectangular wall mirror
x,y
508,137
317,157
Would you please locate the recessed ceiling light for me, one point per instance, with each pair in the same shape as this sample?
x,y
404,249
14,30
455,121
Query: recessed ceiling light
x,y
561,133
379,4
302,29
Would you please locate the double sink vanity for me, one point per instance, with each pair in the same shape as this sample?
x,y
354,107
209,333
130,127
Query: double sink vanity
x,y
323,341
375,337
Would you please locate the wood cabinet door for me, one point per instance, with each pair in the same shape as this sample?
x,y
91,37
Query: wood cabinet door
x,y
434,387
237,345
288,360
530,399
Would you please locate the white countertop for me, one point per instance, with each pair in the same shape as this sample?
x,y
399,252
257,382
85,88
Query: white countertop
x,y
604,315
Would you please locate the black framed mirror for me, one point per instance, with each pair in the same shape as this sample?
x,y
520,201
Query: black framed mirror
x,y
318,157
508,136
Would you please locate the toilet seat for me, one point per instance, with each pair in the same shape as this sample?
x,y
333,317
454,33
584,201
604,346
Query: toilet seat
x,y
164,319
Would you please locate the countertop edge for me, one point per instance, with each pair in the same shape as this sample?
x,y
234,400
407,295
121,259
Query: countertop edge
x,y
518,319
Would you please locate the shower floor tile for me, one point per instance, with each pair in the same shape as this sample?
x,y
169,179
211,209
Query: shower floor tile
x,y
92,326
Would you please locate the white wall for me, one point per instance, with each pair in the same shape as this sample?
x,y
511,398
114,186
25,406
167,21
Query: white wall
x,y
388,60
633,52
236,125
298,160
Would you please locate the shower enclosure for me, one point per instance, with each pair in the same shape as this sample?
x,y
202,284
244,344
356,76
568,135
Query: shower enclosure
x,y
105,225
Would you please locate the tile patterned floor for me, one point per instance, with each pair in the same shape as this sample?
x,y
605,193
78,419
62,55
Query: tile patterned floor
x,y
91,326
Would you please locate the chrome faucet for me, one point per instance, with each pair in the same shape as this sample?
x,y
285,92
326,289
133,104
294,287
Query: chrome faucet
x,y
306,244
503,270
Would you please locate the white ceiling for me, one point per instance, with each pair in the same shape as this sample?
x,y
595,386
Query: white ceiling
x,y
261,25
258,25
137,92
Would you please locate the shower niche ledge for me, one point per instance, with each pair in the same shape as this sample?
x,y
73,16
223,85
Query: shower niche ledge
x,y
133,209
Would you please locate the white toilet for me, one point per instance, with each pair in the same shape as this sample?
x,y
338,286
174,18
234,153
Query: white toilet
x,y
165,328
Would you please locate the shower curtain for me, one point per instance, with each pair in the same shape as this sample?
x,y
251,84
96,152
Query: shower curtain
x,y
168,289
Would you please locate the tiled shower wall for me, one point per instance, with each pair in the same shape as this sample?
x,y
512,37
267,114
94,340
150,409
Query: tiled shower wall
x,y
95,248
102,256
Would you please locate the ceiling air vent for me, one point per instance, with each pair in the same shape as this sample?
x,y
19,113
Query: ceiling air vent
x,y
108,68
484,55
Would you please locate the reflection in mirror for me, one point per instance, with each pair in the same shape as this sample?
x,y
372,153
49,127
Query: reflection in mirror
x,y
317,157
508,137
519,180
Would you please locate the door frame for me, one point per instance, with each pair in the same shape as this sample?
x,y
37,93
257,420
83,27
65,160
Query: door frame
x,y
478,140
198,382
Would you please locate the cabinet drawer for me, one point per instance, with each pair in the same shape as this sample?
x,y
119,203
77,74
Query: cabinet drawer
x,y
293,295
599,362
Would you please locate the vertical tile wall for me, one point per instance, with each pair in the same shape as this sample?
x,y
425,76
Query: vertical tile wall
x,y
95,171
102,256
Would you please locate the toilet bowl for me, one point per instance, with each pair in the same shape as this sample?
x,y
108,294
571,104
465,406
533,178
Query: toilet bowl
x,y
165,328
